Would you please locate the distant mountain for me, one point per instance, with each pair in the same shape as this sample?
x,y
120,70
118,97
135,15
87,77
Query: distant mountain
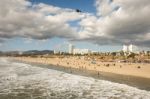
x,y
37,52
30,52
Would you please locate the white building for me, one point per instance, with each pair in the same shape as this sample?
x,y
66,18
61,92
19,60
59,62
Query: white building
x,y
125,48
71,49
56,52
81,51
130,48
133,48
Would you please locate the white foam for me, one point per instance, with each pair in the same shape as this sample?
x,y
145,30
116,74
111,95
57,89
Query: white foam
x,y
55,84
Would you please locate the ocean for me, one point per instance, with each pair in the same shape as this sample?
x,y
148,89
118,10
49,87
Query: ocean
x,y
26,81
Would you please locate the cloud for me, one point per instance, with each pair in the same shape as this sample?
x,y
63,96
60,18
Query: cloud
x,y
20,18
116,22
129,23
104,7
1,44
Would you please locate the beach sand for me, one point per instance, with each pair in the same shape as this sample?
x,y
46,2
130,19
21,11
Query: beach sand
x,y
132,69
125,73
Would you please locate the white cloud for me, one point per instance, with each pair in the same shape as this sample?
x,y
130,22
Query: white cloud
x,y
21,18
1,44
127,24
104,7
117,22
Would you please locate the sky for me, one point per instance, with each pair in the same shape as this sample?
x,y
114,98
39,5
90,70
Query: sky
x,y
102,25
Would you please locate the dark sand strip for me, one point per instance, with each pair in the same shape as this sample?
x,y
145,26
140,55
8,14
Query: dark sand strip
x,y
138,82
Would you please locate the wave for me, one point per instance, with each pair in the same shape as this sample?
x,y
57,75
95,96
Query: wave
x,y
19,80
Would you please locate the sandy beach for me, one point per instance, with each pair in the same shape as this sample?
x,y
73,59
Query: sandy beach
x,y
129,69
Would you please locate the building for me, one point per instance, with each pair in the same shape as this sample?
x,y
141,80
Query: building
x,y
81,51
130,48
56,52
125,48
71,49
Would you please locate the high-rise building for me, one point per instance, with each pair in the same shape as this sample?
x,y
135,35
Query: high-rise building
x,y
71,48
125,48
133,48
130,48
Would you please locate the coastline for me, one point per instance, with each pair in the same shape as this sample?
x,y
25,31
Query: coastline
x,y
129,69
134,81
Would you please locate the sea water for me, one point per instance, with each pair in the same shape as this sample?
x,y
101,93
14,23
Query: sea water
x,y
25,81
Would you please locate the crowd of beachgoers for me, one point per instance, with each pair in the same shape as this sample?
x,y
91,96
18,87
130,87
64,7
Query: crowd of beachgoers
x,y
92,63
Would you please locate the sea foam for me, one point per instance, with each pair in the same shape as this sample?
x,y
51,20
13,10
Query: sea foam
x,y
19,80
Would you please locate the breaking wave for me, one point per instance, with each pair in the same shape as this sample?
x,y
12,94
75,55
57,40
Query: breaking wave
x,y
24,81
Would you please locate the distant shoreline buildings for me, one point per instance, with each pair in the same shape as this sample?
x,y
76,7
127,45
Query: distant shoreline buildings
x,y
73,50
130,48
126,49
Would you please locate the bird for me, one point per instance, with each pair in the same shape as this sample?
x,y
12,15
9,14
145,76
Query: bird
x,y
77,10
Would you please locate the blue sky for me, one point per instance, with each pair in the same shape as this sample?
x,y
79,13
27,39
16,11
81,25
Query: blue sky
x,y
58,43
83,5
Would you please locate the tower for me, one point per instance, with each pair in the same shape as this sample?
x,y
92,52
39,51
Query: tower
x,y
125,48
71,48
130,48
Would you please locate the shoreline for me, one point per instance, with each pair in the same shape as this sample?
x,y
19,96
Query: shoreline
x,y
129,69
134,81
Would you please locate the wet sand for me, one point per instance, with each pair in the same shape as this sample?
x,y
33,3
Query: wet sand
x,y
135,81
